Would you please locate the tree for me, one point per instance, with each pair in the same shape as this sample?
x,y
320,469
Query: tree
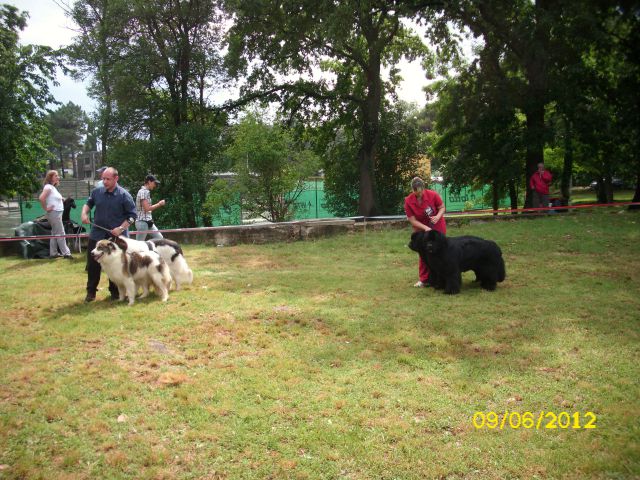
x,y
480,137
67,125
567,68
533,44
402,142
153,63
271,168
24,96
324,60
616,64
101,42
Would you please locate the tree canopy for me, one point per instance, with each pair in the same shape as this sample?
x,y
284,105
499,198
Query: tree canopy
x,y
548,75
24,96
154,64
270,167
324,61
554,81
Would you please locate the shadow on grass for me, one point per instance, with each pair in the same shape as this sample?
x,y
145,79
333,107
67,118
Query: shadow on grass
x,y
32,263
99,305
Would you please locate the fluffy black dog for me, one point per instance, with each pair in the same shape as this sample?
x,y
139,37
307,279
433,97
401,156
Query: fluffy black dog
x,y
448,257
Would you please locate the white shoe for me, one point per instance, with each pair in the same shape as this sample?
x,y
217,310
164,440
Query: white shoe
x,y
419,284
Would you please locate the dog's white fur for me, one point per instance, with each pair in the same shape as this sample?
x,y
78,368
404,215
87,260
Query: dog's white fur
x,y
131,270
171,253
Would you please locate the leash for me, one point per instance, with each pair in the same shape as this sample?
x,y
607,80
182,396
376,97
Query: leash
x,y
130,220
100,227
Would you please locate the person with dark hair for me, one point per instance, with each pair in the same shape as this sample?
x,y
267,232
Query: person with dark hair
x,y
53,205
100,171
425,211
539,184
144,207
115,212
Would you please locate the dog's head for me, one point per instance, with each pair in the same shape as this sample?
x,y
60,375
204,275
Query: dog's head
x,y
104,248
430,242
120,242
416,241
69,203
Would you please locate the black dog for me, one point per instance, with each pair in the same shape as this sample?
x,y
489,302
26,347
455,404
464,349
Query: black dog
x,y
448,257
70,227
67,205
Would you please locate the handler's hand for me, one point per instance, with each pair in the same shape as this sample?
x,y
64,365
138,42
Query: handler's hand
x,y
84,218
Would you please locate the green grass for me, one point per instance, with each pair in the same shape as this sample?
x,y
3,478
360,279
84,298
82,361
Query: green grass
x,y
580,195
319,360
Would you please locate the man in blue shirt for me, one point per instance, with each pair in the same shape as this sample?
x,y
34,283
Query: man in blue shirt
x,y
115,211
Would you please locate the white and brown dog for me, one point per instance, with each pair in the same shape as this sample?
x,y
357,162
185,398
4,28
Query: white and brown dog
x,y
130,269
172,254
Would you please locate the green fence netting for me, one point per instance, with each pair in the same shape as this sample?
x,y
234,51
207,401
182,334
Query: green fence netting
x,y
30,209
467,199
310,204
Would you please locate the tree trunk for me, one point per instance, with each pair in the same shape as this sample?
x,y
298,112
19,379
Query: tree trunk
x,y
636,195
367,205
513,197
62,162
535,67
567,168
105,122
535,144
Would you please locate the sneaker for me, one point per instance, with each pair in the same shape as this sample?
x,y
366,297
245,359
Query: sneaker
x,y
419,284
90,297
68,257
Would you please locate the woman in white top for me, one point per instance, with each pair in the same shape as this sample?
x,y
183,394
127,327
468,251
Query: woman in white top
x,y
52,204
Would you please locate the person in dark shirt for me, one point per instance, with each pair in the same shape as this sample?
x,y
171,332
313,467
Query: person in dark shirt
x,y
114,212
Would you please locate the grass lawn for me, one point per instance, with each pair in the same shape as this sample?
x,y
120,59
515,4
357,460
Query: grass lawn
x,y
319,360
585,195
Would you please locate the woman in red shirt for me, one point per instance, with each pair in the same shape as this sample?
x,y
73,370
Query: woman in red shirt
x,y
425,211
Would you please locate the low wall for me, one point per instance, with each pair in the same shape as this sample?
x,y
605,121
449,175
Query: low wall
x,y
264,232
277,232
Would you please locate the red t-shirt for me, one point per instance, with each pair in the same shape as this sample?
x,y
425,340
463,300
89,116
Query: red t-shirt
x,y
427,207
540,182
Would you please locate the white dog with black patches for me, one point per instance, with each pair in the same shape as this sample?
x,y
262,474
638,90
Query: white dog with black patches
x,y
172,254
130,270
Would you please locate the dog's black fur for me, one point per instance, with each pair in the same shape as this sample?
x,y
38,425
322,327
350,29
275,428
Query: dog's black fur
x,y
70,227
448,257
67,205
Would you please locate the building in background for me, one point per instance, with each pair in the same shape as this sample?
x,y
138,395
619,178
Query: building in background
x,y
88,163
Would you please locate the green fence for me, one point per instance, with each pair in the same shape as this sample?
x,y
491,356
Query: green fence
x,y
310,204
30,209
467,198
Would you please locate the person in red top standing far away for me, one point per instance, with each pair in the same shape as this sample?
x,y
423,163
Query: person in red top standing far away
x,y
425,211
539,183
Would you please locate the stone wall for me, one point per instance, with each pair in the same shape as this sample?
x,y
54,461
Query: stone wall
x,y
266,232
277,232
